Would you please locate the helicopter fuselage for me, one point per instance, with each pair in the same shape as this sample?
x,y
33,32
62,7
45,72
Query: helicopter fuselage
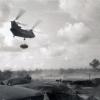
x,y
17,31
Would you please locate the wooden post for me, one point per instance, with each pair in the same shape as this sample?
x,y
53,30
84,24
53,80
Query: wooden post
x,y
89,76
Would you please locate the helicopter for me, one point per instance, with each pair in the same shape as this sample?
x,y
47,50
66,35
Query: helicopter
x,y
18,31
24,33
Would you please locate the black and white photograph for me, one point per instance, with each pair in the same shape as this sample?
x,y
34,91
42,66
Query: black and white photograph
x,y
49,49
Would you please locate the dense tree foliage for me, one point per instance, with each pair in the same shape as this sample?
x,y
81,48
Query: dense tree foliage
x,y
94,63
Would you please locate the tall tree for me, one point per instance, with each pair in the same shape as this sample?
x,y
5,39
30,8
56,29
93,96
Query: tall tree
x,y
94,63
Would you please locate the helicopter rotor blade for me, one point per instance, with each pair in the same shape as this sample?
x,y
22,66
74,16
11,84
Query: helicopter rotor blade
x,y
20,14
21,24
36,24
37,31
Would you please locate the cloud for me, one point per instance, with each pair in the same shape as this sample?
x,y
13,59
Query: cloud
x,y
45,1
81,9
77,32
86,16
72,7
85,11
4,11
69,46
80,37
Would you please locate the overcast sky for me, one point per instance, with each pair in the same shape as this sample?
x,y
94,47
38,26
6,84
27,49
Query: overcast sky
x,y
67,37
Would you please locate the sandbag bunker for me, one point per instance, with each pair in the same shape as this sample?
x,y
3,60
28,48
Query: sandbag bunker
x,y
19,93
22,93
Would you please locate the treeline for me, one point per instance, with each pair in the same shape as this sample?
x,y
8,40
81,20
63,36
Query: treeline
x,y
5,74
95,66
